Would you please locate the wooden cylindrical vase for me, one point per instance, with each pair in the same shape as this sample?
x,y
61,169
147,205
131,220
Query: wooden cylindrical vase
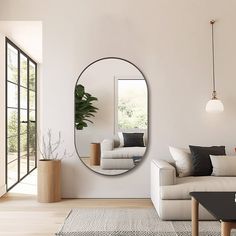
x,y
95,152
49,181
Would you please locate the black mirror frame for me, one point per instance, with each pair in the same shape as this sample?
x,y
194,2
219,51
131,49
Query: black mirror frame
x,y
148,120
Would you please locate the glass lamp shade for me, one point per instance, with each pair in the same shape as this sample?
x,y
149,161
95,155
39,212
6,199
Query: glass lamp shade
x,y
214,106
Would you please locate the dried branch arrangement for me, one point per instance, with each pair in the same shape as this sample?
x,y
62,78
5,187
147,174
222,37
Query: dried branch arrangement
x,y
49,148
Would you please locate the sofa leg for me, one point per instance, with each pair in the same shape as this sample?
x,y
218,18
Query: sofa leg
x,y
195,207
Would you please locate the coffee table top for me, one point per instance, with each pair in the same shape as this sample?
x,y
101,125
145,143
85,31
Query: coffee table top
x,y
221,205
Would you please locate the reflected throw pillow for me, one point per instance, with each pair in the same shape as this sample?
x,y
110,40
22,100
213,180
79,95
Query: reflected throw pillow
x,y
121,138
133,139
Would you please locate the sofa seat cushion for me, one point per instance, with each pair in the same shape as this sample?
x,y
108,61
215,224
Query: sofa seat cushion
x,y
123,152
185,185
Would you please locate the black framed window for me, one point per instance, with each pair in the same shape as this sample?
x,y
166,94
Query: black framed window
x,y
21,113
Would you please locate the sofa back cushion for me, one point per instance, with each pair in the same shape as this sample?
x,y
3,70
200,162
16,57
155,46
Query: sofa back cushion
x,y
223,165
201,158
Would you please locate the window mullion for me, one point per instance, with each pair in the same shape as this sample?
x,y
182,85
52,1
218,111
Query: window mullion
x,y
35,115
28,122
18,128
6,102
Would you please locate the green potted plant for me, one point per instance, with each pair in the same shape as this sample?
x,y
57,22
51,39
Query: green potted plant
x,y
84,108
49,169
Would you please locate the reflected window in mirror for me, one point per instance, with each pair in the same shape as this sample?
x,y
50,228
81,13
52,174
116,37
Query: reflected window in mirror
x,y
131,102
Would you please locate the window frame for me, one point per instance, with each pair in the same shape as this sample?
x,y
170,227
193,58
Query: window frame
x,y
19,109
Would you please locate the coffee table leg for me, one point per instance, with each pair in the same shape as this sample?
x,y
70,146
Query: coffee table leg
x,y
225,228
195,206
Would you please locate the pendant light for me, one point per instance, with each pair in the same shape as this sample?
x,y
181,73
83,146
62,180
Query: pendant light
x,y
214,105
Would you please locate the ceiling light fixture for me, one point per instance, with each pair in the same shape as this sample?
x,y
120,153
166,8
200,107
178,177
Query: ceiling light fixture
x,y
214,105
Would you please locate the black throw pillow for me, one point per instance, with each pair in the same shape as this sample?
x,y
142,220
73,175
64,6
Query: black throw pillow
x,y
202,165
133,139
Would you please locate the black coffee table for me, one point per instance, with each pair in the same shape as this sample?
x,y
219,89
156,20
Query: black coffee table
x,y
221,205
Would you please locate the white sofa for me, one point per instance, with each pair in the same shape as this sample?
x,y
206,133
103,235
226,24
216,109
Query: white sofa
x,y
115,157
170,194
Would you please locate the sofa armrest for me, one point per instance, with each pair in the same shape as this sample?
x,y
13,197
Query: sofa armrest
x,y
164,172
107,145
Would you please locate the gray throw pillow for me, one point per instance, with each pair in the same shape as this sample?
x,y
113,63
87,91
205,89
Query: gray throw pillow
x,y
223,165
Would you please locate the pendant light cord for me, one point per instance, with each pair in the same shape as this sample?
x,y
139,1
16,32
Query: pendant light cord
x,y
213,58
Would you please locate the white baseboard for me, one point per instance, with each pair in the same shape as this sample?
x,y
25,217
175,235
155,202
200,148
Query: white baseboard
x,y
2,190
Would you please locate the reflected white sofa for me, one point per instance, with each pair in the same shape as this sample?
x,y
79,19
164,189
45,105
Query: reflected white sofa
x,y
170,194
115,157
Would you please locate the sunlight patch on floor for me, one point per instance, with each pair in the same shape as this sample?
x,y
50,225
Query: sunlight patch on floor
x,y
28,185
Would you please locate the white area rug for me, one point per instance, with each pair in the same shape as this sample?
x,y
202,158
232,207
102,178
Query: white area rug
x,y
129,222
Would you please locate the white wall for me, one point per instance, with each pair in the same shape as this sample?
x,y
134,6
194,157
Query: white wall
x,y
2,115
26,34
170,41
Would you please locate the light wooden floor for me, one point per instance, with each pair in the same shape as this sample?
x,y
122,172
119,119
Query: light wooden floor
x,y
22,215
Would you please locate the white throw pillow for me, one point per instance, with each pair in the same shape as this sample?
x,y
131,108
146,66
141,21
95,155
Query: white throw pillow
x,y
223,165
183,161
121,138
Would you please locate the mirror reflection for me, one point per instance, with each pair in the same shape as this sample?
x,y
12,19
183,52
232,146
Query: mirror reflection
x,y
111,116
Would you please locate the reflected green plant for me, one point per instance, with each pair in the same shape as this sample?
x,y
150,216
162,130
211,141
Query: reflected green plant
x,y
84,108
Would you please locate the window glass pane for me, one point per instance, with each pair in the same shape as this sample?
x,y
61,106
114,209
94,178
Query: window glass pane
x,y
23,144
12,161
132,104
12,173
12,95
32,146
23,121
23,166
23,70
32,137
12,148
12,122
12,64
32,100
23,98
32,116
32,141
32,76
32,163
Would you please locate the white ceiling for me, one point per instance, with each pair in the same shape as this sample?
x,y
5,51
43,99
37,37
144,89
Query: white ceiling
x,y
25,34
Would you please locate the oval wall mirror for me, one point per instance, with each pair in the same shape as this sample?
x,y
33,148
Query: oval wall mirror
x,y
111,116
